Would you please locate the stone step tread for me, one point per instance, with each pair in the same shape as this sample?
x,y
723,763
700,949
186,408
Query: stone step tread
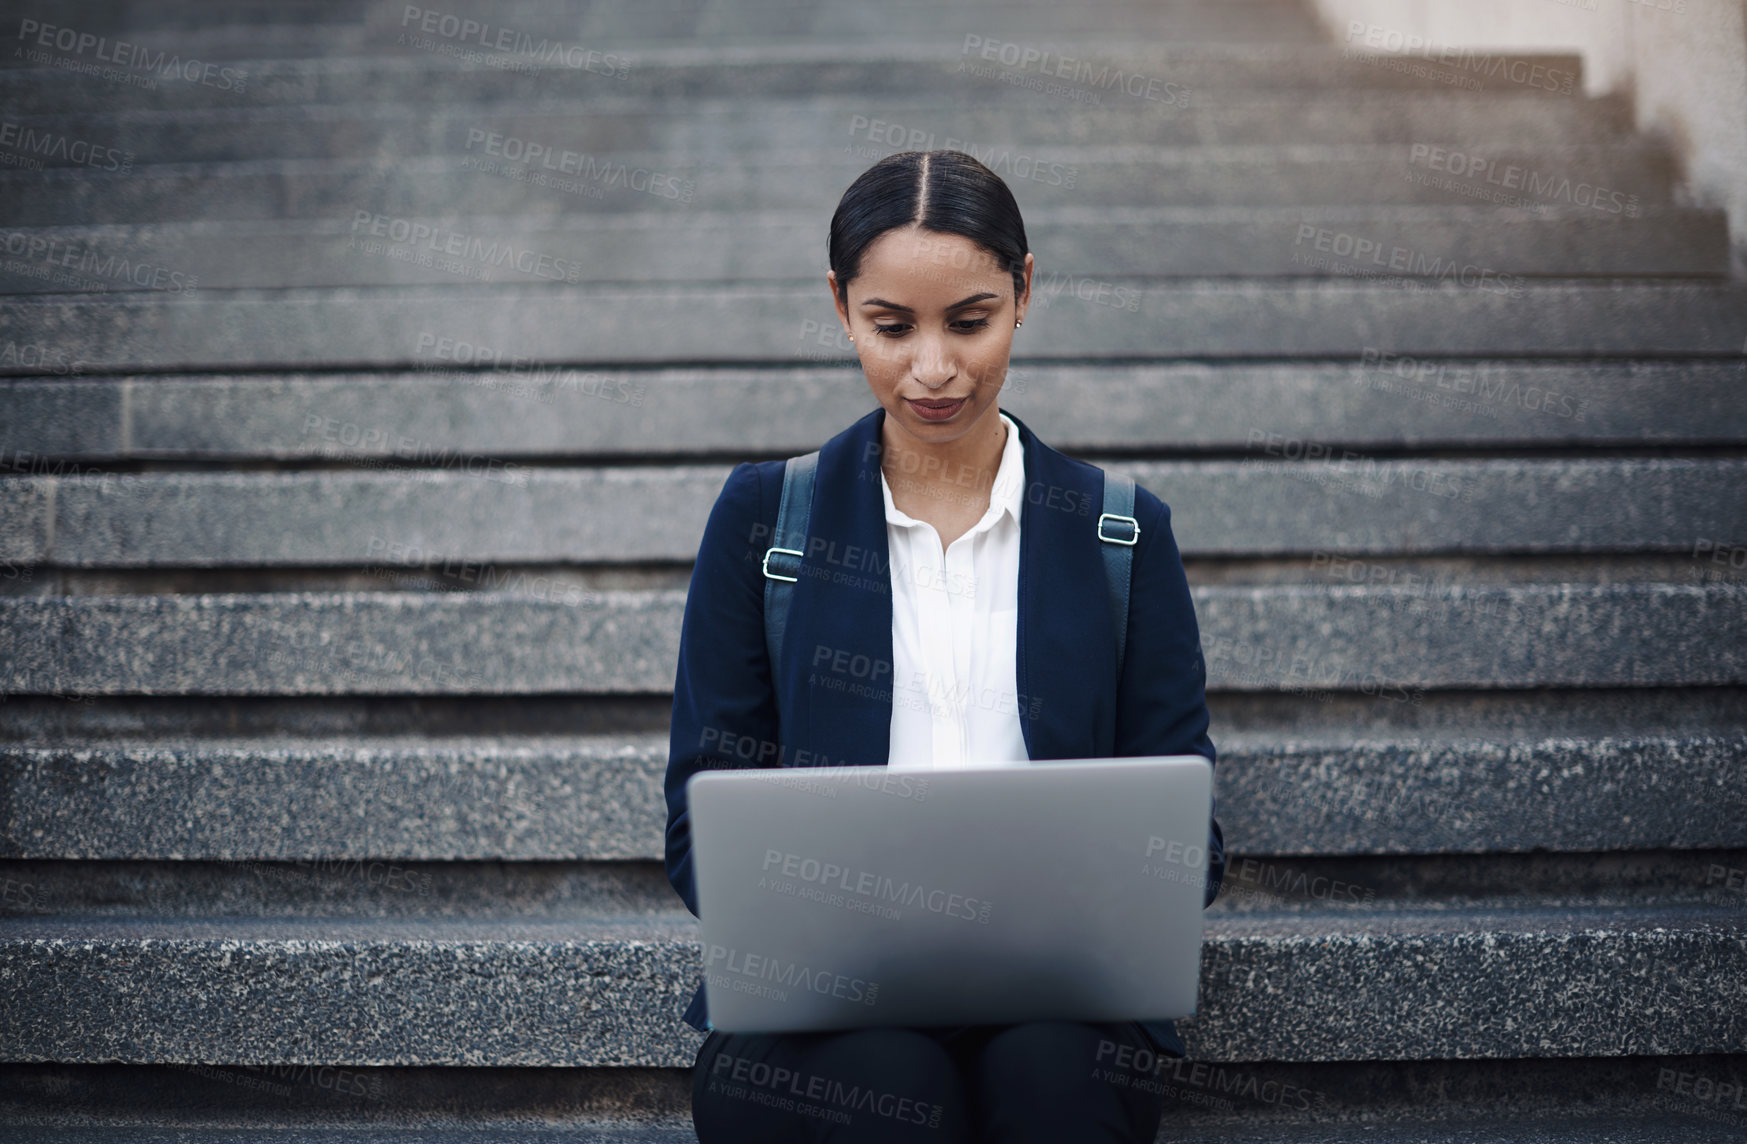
x,y
1464,131
1224,1099
795,178
837,66
1578,1129
752,24
672,324
601,798
372,249
785,155
632,899
1340,925
1470,735
544,994
1605,114
795,224
1616,1128
575,1132
479,399
326,189
557,637
454,514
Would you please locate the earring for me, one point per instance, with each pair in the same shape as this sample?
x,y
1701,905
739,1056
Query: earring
x,y
1018,323
852,337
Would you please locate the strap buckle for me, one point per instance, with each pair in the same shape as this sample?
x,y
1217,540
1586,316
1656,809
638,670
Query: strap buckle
x,y
1133,524
795,552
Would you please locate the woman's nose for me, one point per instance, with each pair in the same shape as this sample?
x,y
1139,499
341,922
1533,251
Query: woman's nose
x,y
933,364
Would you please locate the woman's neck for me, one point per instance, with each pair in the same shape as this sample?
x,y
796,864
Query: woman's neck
x,y
952,477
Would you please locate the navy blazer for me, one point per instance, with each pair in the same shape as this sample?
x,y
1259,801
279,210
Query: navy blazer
x,y
727,713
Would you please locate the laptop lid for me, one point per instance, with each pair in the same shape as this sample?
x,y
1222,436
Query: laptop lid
x,y
848,897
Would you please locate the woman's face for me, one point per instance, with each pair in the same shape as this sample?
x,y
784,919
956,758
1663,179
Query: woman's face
x,y
932,317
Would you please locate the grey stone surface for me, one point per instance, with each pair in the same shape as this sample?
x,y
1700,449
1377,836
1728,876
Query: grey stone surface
x,y
1250,721
629,182
469,511
402,890
500,992
1613,1129
1398,1102
372,30
300,1101
569,1133
1596,979
1407,243
1512,983
58,417
1389,642
672,324
1425,797
717,71
597,798
26,512
602,799
366,720
1629,1129
340,643
1261,722
1368,404
411,127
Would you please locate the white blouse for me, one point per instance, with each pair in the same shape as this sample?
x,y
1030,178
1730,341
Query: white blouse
x,y
955,622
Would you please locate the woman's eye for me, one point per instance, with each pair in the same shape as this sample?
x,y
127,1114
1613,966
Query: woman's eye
x,y
963,326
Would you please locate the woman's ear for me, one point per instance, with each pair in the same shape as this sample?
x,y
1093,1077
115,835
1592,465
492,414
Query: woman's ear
x,y
838,303
1024,299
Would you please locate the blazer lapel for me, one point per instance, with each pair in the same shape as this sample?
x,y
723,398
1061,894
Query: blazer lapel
x,y
1065,664
843,606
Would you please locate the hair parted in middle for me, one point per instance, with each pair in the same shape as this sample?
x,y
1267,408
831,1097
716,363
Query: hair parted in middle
x,y
948,192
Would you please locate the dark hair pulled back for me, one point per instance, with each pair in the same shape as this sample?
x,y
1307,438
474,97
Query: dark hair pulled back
x,y
948,192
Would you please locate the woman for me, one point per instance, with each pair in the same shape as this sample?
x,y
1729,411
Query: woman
x,y
953,616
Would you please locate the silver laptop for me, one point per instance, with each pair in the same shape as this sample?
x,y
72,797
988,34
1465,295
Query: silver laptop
x,y
847,897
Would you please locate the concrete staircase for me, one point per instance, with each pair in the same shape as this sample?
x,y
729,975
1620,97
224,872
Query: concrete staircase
x,y
353,464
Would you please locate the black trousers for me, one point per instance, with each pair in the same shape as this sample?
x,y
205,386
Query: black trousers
x,y
1044,1081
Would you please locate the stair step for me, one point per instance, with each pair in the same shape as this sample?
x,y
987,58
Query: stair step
x,y
459,404
353,891
1625,178
379,27
452,521
293,329
1163,76
1404,243
1611,1100
597,991
1246,720
534,640
601,799
1472,124
573,1132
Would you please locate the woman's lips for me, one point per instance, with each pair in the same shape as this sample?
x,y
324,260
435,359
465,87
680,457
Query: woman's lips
x,y
935,409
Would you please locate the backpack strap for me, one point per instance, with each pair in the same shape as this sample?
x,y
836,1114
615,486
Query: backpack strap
x,y
782,560
1120,532
1117,528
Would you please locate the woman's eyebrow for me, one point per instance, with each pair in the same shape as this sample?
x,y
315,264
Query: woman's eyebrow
x,y
959,305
